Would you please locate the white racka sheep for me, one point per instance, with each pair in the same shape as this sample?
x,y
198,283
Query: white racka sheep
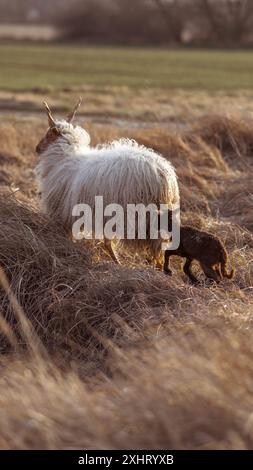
x,y
70,172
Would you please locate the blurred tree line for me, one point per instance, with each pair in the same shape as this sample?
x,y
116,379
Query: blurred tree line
x,y
216,22
31,11
210,22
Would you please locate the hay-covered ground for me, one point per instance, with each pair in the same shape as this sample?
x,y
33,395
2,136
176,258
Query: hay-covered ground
x,y
95,355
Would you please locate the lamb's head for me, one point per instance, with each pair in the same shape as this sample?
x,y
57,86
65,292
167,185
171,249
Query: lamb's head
x,y
63,132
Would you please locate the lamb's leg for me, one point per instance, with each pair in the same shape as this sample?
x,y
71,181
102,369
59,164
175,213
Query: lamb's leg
x,y
188,272
166,266
218,271
211,273
108,246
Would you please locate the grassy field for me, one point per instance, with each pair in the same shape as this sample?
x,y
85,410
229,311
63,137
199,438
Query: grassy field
x,y
123,356
47,67
148,85
99,356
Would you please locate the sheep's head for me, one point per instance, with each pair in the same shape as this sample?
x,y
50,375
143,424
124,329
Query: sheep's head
x,y
63,129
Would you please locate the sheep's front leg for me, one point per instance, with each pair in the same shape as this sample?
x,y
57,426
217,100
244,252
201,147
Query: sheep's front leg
x,y
166,266
108,246
188,272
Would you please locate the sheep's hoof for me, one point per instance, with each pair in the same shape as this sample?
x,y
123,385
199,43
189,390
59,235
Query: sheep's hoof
x,y
159,267
168,272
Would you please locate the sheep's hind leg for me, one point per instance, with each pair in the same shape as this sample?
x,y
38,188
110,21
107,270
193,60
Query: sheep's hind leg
x,y
157,254
188,272
166,266
108,246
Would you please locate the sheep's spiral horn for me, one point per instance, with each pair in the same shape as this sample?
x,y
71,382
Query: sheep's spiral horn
x,y
73,113
51,120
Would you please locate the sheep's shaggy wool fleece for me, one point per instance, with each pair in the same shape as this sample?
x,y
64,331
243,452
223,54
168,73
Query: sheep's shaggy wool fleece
x,y
70,172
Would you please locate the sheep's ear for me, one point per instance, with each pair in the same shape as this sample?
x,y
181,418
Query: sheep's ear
x,y
55,131
73,113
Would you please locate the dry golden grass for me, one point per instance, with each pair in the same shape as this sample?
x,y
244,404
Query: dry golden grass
x,y
95,355
117,103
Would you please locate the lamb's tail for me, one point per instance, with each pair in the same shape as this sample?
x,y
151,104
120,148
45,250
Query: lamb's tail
x,y
224,269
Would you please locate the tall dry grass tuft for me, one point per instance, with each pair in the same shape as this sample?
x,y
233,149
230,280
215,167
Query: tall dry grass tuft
x,y
231,135
95,355
191,390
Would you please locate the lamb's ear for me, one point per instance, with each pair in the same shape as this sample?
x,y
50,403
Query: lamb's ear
x,y
51,120
73,113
